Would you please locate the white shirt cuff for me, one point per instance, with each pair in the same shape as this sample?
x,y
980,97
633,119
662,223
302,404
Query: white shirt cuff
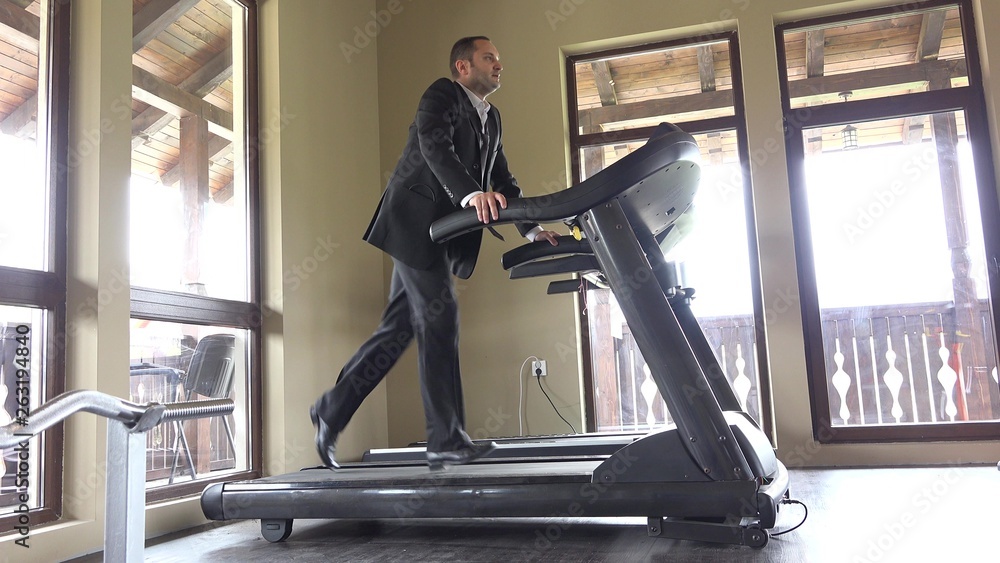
x,y
530,235
465,200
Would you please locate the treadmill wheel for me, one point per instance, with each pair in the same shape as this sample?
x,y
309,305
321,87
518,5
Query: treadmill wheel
x,y
755,537
275,531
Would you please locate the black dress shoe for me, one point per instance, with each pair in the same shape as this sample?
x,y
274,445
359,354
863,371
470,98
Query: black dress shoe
x,y
326,440
461,456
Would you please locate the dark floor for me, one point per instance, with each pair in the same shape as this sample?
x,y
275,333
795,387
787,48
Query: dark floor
x,y
855,516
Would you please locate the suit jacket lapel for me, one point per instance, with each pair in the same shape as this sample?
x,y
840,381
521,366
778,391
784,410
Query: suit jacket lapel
x,y
476,124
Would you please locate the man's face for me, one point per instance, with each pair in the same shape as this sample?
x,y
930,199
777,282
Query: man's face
x,y
482,74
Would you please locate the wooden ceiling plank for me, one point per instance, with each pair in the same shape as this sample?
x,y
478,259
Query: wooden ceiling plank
x,y
19,27
21,122
931,33
605,83
706,68
148,88
815,56
154,18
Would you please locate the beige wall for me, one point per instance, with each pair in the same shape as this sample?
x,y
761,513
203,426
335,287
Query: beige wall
x,y
504,322
330,97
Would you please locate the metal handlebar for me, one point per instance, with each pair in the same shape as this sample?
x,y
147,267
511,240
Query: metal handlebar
x,y
125,510
135,417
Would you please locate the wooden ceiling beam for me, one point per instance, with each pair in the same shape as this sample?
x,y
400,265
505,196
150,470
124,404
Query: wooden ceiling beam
x,y
661,106
931,33
21,122
605,83
874,78
200,83
211,75
706,68
218,148
19,27
928,49
815,56
224,194
157,92
154,18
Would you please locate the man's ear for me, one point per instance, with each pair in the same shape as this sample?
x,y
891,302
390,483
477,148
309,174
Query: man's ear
x,y
462,66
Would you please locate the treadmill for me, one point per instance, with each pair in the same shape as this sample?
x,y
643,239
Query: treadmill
x,y
711,476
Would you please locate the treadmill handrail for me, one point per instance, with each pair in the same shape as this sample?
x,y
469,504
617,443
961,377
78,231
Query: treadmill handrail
x,y
667,145
138,418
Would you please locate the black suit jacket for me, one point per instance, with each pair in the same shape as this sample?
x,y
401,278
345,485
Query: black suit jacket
x,y
440,165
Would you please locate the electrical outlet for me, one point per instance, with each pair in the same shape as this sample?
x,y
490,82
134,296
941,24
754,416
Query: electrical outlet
x,y
538,368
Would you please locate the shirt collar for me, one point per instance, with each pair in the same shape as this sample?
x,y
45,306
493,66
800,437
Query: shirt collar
x,y
482,106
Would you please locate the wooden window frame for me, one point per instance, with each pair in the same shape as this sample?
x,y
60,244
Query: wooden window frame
x,y
965,98
46,290
168,306
737,123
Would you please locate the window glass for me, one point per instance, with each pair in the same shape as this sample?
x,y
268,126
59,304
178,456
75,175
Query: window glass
x,y
23,193
901,275
172,362
714,260
188,197
21,392
644,88
875,58
33,72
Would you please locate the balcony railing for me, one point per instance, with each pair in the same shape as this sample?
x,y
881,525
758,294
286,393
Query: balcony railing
x,y
894,364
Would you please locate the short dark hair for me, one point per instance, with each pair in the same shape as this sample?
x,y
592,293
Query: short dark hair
x,y
463,50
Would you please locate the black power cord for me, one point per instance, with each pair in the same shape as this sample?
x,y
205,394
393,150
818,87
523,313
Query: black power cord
x,y
804,516
553,404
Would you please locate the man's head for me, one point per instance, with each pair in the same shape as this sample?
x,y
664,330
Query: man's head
x,y
475,64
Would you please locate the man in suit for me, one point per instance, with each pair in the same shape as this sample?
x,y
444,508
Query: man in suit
x,y
453,158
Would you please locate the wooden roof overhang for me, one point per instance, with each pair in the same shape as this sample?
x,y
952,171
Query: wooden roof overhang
x,y
182,67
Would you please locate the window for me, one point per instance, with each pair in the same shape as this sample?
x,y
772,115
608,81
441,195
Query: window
x,y
617,99
193,236
34,105
893,195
